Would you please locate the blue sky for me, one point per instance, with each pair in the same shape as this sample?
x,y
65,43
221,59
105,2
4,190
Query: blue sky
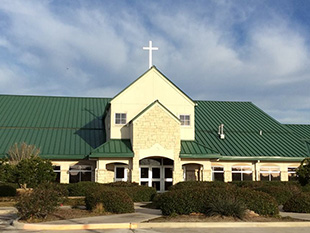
x,y
239,50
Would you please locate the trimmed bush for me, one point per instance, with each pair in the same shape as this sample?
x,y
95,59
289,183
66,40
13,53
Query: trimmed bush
x,y
108,200
200,200
122,184
299,203
139,193
281,193
7,190
199,184
80,189
41,201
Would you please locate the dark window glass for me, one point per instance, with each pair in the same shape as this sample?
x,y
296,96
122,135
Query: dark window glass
x,y
218,169
85,176
247,176
236,176
144,172
264,176
74,177
167,162
168,172
156,172
145,183
292,177
156,185
275,176
120,173
218,176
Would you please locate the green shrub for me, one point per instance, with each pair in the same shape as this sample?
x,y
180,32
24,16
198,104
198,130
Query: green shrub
x,y
122,184
139,193
198,200
199,184
299,203
226,206
41,201
114,201
259,202
281,193
7,190
80,189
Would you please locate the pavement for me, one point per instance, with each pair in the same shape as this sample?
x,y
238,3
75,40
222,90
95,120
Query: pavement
x,y
137,220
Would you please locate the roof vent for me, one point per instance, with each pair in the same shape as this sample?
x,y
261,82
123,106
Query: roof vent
x,y
261,132
221,131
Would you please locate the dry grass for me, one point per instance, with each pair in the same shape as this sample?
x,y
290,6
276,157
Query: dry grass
x,y
203,218
66,213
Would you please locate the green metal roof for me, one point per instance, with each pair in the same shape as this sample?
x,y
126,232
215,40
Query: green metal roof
x,y
192,149
62,127
302,131
243,122
113,148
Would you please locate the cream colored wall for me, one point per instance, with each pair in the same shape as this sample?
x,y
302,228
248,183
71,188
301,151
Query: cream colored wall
x,y
105,169
65,165
149,88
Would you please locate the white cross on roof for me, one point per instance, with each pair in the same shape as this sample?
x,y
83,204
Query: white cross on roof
x,y
150,48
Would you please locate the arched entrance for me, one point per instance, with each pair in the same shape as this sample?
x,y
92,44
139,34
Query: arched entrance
x,y
156,172
192,172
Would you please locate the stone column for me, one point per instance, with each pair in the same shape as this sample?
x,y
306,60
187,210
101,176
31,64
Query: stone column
x,y
64,173
207,171
177,171
100,171
135,170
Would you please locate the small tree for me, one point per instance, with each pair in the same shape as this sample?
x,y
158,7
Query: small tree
x,y
303,172
26,168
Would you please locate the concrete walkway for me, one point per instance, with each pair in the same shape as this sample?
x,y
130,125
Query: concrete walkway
x,y
141,214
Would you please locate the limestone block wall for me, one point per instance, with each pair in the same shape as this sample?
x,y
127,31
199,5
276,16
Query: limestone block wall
x,y
105,169
156,133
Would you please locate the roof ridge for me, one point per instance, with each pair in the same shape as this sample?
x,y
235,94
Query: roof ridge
x,y
46,96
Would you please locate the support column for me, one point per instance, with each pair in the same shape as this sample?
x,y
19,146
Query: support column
x,y
207,171
64,173
177,171
135,170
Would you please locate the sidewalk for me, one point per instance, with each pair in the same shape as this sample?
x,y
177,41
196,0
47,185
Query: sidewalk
x,y
137,220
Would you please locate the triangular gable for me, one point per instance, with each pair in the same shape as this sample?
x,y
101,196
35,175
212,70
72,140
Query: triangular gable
x,y
154,69
156,102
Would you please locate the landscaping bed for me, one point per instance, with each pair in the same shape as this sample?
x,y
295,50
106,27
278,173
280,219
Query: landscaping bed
x,y
65,213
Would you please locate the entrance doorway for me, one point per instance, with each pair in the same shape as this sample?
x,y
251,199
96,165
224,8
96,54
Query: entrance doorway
x,y
157,173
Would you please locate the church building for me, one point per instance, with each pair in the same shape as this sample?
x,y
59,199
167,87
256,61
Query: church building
x,y
154,134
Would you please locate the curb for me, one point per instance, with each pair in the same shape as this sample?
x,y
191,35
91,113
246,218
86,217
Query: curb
x,y
159,225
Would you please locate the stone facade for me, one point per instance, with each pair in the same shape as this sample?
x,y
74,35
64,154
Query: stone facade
x,y
156,133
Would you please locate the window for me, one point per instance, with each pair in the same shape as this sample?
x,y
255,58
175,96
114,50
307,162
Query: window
x,y
270,173
217,173
120,118
57,171
120,173
185,120
292,173
78,173
241,173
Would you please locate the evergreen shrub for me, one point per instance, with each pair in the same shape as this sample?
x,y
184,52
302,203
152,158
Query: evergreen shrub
x,y
109,200
199,184
80,189
200,200
7,190
299,203
41,201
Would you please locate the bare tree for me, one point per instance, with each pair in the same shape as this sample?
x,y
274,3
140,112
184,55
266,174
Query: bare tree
x,y
23,151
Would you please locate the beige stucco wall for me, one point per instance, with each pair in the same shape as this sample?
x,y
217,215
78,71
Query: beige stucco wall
x,y
65,165
147,89
160,137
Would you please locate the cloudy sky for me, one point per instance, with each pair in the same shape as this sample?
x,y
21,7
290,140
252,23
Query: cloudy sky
x,y
239,50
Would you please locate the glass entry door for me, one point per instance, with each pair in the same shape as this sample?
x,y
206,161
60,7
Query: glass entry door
x,y
156,173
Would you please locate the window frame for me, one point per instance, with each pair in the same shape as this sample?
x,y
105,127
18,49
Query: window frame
x,y
183,121
221,172
241,172
120,118
125,178
81,169
270,172
58,173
